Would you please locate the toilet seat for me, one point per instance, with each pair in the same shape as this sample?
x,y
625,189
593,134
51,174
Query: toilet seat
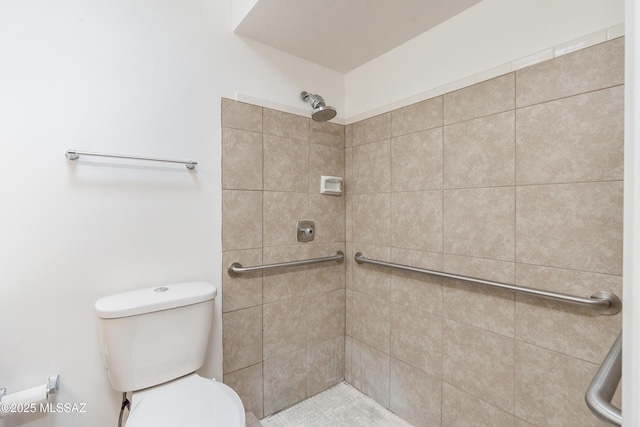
x,y
190,401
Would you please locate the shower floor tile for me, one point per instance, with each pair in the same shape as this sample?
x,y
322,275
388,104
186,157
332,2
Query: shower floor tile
x,y
341,405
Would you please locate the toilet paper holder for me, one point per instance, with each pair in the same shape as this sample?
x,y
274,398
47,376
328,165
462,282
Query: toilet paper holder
x,y
53,385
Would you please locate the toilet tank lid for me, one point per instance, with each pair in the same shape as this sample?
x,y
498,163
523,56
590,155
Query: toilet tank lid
x,y
154,299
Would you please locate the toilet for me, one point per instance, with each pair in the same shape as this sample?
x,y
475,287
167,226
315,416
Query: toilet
x,y
152,341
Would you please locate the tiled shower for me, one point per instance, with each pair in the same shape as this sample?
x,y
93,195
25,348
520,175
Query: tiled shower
x,y
514,179
284,331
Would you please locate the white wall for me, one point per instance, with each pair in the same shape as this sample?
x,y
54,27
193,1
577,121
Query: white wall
x,y
489,34
239,10
136,77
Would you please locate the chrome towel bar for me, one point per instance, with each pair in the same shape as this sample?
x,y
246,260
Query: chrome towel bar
x,y
604,384
602,301
74,154
236,269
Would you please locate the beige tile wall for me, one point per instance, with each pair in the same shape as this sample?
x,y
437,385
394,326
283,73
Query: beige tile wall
x,y
283,331
518,178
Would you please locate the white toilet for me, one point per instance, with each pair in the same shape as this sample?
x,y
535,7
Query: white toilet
x,y
152,341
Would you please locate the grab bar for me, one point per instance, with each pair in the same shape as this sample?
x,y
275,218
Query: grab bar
x,y
603,301
604,384
236,269
74,154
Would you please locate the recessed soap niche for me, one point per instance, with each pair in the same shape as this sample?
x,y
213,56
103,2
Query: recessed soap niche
x,y
331,185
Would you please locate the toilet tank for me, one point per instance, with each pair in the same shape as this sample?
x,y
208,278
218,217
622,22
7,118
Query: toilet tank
x,y
154,335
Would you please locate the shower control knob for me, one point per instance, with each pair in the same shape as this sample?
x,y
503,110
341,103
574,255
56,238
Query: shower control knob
x,y
306,230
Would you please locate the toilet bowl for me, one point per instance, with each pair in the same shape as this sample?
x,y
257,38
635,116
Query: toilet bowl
x,y
190,401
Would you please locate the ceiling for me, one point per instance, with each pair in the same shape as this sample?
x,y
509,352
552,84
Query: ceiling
x,y
344,34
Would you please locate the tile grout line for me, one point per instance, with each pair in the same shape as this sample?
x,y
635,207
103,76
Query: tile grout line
x,y
262,261
515,229
442,317
387,298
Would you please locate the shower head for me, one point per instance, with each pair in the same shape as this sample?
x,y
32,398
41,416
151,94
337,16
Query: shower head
x,y
321,112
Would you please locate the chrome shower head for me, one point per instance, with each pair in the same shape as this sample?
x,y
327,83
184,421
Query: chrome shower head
x,y
321,112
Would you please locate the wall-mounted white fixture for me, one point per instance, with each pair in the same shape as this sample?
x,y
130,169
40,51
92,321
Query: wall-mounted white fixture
x,y
331,185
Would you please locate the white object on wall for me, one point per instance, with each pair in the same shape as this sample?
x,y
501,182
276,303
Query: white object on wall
x,y
331,185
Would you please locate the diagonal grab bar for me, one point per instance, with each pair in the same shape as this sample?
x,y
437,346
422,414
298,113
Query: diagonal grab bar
x,y
604,384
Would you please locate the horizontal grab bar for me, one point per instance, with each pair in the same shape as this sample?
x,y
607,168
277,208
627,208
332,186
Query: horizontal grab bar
x,y
604,384
236,269
74,154
602,301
